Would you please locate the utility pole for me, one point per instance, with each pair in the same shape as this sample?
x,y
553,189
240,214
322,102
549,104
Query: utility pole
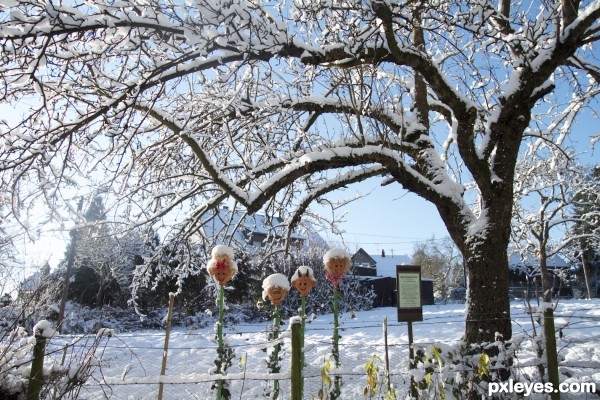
x,y
74,233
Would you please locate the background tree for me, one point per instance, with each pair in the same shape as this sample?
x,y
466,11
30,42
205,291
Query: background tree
x,y
175,107
586,231
99,263
105,259
8,253
441,261
545,193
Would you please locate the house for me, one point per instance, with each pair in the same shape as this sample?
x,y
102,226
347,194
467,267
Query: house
x,y
254,231
524,275
32,284
379,272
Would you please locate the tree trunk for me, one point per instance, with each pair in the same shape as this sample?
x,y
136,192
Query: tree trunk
x,y
586,270
74,233
549,328
67,279
488,305
100,295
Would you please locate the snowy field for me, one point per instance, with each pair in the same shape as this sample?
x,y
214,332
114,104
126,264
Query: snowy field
x,y
130,362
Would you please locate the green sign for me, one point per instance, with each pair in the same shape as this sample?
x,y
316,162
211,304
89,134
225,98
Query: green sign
x,y
408,288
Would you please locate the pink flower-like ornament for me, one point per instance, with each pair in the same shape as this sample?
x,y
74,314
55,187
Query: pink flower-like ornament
x,y
337,264
222,267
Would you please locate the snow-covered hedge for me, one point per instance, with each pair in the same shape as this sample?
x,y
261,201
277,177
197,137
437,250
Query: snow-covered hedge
x,y
60,379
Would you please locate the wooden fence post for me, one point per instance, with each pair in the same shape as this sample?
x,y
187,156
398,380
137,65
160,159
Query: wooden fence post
x,y
296,362
37,368
163,368
387,356
414,390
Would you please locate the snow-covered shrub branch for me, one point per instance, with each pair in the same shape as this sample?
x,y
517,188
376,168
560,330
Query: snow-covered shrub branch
x,y
175,108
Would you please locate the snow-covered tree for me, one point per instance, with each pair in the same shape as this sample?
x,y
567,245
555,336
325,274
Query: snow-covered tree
x,y
554,209
176,107
441,261
101,260
545,193
8,253
586,230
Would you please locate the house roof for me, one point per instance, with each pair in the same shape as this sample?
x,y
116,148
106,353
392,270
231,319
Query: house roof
x,y
516,260
32,282
240,226
386,265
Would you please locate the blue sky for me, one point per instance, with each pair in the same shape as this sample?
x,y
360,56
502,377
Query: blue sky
x,y
388,218
392,219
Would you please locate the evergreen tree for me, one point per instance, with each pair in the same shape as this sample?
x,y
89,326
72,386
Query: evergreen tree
x,y
102,262
586,249
8,259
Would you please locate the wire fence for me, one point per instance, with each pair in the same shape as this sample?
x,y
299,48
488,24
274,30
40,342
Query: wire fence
x,y
126,365
248,340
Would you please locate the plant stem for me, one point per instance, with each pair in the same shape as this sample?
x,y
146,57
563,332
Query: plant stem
x,y
275,354
220,343
336,338
303,318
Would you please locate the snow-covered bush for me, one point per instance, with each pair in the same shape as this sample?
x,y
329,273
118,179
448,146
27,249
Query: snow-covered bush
x,y
15,357
454,371
59,380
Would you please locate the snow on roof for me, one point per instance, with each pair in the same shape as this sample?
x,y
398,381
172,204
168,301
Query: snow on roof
x,y
32,283
237,224
304,270
386,266
516,260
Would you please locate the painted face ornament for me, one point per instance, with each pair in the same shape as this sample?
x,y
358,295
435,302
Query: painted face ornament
x,y
337,264
275,288
304,280
222,267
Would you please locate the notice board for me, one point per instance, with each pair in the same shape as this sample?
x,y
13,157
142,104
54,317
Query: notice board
x,y
408,291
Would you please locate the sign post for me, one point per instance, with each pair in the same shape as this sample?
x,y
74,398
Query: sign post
x,y
410,307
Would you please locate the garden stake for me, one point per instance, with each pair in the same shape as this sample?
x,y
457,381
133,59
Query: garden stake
x,y
336,339
303,280
296,361
303,317
275,288
275,354
222,267
163,368
220,342
337,264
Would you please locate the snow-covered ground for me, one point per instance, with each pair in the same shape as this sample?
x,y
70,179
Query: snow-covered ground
x,y
131,362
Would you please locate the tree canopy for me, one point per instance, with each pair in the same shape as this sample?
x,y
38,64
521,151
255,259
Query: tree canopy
x,y
176,106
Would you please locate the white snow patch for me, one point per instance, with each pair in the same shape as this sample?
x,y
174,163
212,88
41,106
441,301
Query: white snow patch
x,y
222,250
335,253
276,281
304,270
44,328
